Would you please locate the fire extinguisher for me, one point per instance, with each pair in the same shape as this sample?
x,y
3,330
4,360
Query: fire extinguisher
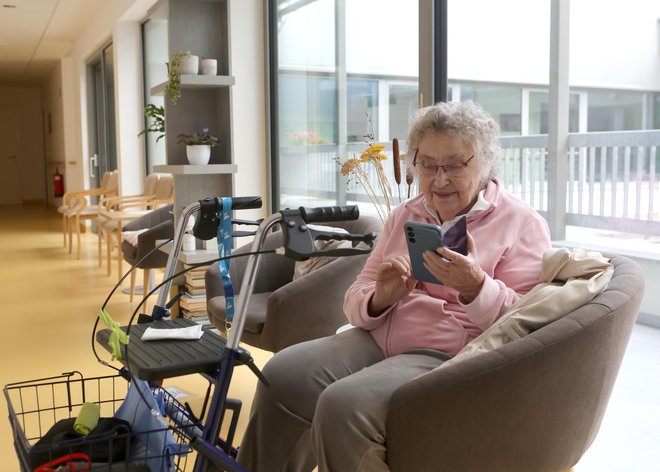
x,y
58,183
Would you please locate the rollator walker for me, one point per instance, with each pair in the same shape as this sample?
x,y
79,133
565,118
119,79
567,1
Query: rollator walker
x,y
214,356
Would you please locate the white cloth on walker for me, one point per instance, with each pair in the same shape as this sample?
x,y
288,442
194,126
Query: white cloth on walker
x,y
191,332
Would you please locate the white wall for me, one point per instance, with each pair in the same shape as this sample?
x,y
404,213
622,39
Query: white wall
x,y
129,107
54,137
118,23
249,107
612,44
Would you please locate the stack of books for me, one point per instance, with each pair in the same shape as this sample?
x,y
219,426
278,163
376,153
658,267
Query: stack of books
x,y
193,301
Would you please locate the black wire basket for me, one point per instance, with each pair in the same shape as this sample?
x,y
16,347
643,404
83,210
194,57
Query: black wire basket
x,y
36,407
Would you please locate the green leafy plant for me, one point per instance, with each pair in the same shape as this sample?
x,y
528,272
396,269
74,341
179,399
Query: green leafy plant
x,y
173,87
172,91
156,118
197,138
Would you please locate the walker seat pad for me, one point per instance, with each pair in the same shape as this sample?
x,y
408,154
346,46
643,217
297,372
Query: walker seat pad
x,y
154,360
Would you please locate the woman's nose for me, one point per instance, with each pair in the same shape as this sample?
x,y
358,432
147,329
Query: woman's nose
x,y
440,177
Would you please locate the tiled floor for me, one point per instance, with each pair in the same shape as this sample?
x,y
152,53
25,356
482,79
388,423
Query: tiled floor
x,y
51,299
629,435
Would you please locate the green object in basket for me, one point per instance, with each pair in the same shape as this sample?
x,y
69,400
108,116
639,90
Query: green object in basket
x,y
87,419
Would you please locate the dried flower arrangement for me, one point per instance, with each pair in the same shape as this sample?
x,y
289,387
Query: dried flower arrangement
x,y
370,159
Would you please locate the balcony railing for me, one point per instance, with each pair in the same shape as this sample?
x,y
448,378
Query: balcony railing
x,y
613,179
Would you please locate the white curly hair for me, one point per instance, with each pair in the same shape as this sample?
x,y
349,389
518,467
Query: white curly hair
x,y
466,121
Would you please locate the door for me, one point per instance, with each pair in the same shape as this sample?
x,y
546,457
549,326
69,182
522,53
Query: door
x,y
10,192
102,151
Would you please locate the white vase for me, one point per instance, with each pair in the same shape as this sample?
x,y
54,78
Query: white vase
x,y
189,65
198,154
209,66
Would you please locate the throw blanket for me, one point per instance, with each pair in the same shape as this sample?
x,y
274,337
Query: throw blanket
x,y
570,279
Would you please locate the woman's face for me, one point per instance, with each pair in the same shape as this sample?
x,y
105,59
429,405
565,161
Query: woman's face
x,y
453,190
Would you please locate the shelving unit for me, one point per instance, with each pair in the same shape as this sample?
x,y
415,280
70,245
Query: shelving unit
x,y
201,27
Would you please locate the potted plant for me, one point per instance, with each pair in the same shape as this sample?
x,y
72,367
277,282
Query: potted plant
x,y
198,146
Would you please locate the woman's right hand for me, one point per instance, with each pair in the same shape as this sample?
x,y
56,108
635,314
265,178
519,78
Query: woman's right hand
x,y
394,281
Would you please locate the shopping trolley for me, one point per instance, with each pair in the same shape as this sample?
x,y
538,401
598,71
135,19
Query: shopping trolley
x,y
213,355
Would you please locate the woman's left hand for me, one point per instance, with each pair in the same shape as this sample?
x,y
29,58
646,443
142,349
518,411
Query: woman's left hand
x,y
462,273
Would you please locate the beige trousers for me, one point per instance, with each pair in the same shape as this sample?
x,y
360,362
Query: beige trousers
x,y
327,405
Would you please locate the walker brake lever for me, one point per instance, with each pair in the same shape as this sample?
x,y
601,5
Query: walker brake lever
x,y
355,239
299,239
239,221
241,233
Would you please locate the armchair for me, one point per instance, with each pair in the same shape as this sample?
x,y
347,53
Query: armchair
x,y
118,203
281,311
534,404
128,209
159,225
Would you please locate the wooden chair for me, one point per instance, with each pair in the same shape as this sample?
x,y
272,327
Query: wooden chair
x,y
70,199
82,209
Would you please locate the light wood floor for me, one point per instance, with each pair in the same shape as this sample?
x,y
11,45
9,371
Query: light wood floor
x,y
51,301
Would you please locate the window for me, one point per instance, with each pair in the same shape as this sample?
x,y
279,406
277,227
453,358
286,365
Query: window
x,y
538,112
344,69
615,111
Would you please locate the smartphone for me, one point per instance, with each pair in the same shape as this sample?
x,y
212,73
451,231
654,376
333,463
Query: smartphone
x,y
422,237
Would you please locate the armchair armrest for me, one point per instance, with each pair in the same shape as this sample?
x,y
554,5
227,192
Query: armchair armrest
x,y
312,303
150,219
505,404
147,240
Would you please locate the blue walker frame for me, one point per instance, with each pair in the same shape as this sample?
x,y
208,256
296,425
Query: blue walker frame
x,y
298,244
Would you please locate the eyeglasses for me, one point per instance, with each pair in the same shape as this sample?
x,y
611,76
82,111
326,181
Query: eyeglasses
x,y
451,169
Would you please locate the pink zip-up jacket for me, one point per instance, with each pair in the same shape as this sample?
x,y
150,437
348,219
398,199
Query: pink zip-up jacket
x,y
510,238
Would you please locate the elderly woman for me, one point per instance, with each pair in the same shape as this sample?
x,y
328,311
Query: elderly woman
x,y
327,403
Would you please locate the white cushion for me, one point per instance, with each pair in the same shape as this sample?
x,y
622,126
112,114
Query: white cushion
x,y
131,237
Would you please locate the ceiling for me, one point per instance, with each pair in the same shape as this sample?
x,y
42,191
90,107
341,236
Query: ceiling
x,y
35,34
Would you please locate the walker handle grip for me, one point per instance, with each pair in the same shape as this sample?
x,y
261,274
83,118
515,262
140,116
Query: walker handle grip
x,y
333,213
245,203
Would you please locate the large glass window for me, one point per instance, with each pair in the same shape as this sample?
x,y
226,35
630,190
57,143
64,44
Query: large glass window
x,y
345,69
539,103
362,109
155,56
615,111
502,102
308,111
